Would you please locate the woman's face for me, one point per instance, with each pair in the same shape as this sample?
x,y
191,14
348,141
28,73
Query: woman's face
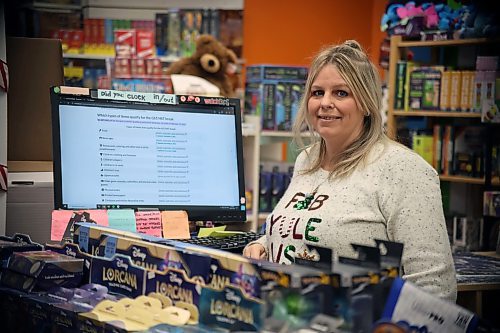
x,y
332,110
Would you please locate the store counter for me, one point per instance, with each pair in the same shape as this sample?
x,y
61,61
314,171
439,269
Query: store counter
x,y
478,279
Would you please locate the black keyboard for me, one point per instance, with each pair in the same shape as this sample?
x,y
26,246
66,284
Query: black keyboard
x,y
233,243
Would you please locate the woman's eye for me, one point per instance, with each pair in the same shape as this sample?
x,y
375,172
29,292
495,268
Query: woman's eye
x,y
317,93
342,93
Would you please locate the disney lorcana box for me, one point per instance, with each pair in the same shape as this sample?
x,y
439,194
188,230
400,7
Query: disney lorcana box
x,y
16,243
45,268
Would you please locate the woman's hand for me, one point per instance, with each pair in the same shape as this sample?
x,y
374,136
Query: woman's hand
x,y
255,251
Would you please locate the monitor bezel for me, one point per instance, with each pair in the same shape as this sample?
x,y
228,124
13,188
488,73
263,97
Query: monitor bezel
x,y
195,213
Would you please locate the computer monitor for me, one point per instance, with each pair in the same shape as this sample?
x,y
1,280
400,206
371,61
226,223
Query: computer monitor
x,y
114,149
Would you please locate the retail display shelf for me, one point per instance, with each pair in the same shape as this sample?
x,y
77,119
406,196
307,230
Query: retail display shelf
x,y
463,179
450,42
427,113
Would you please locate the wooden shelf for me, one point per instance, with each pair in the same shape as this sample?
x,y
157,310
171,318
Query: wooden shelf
x,y
451,42
427,113
461,179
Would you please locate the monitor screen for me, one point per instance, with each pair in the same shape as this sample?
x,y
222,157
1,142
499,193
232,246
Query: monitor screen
x,y
148,151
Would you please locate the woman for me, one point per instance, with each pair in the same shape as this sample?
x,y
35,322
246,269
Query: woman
x,y
353,184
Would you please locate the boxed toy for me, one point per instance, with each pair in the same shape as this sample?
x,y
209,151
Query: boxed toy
x,y
273,72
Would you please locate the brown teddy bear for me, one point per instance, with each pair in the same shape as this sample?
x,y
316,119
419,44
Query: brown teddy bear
x,y
211,61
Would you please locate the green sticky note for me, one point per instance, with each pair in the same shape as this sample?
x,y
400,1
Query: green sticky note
x,y
122,219
205,232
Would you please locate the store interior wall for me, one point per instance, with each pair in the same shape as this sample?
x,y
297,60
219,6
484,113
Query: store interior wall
x,y
291,32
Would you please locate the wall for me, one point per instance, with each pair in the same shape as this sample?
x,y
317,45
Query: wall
x,y
291,32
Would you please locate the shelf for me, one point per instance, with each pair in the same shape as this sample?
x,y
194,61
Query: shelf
x,y
451,42
426,113
165,59
462,179
86,56
280,134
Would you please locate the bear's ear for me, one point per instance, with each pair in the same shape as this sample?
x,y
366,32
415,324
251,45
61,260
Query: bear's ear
x,y
231,56
205,40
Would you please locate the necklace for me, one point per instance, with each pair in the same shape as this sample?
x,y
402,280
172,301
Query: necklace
x,y
309,197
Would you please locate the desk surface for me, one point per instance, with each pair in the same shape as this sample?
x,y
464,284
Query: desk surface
x,y
477,271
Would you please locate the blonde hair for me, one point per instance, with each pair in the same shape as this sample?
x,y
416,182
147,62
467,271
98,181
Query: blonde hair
x,y
363,80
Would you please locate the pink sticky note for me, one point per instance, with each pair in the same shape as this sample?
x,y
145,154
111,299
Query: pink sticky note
x,y
60,219
99,216
148,223
175,224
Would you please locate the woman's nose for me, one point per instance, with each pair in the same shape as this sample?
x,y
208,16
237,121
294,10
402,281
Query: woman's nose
x,y
327,102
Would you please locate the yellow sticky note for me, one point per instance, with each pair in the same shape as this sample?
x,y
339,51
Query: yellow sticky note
x,y
225,233
175,224
205,232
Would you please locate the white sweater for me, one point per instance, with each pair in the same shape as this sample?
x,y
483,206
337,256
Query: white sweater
x,y
395,196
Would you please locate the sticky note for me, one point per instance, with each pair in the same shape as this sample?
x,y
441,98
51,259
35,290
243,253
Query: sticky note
x,y
225,233
99,216
205,232
175,224
61,218
148,222
122,219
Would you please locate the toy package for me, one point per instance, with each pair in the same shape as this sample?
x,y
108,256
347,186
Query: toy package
x,y
16,243
119,275
42,270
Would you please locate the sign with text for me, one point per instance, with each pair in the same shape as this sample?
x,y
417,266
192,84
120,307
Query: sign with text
x,y
132,96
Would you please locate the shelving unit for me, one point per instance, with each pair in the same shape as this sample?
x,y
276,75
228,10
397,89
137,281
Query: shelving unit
x,y
260,146
468,197
396,53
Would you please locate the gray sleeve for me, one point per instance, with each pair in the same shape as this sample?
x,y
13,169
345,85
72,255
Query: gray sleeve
x,y
412,206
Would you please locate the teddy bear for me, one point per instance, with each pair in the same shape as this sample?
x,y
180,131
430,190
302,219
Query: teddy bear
x,y
211,61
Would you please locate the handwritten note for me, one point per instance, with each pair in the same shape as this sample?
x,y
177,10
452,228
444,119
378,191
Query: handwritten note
x,y
61,218
148,223
175,224
136,96
122,219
